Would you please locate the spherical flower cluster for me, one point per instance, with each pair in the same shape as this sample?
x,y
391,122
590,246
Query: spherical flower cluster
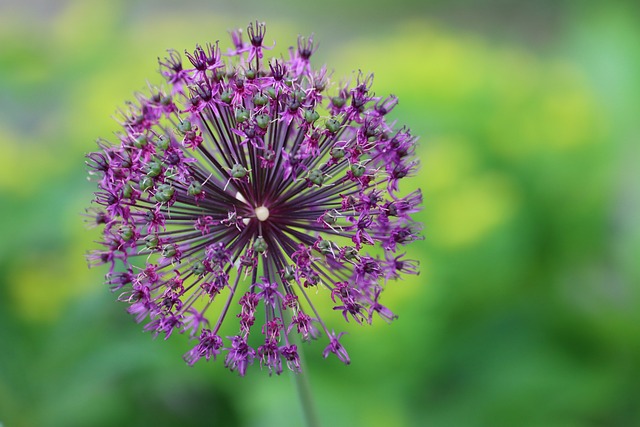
x,y
253,183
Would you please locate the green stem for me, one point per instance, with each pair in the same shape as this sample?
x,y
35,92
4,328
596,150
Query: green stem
x,y
304,393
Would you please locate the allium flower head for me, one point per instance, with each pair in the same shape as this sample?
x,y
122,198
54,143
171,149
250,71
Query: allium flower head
x,y
254,183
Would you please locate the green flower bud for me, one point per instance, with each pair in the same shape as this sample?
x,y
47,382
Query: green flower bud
x,y
195,188
184,127
338,101
300,95
357,170
350,253
332,125
164,193
311,116
198,268
140,141
125,232
312,278
337,153
330,218
260,245
163,143
325,247
226,96
316,176
151,241
145,183
271,91
392,210
168,251
242,115
154,169
262,120
219,74
260,99
289,273
127,191
238,171
125,160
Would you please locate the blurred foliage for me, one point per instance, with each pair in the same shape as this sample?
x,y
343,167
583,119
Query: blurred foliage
x,y
526,311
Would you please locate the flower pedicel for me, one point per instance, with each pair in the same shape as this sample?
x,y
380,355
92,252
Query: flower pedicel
x,y
247,184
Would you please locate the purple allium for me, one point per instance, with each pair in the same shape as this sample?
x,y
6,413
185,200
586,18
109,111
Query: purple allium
x,y
254,183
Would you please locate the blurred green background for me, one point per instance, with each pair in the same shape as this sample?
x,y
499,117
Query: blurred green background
x,y
527,309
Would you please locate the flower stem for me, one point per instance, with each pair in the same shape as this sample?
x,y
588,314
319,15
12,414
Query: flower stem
x,y
304,393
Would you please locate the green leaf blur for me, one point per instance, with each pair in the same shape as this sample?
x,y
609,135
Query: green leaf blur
x,y
526,312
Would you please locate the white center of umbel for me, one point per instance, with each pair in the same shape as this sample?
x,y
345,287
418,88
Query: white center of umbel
x,y
262,213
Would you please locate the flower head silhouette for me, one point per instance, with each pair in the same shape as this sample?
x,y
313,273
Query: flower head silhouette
x,y
246,183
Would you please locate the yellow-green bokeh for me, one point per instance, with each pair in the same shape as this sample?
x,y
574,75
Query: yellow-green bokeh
x,y
526,310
